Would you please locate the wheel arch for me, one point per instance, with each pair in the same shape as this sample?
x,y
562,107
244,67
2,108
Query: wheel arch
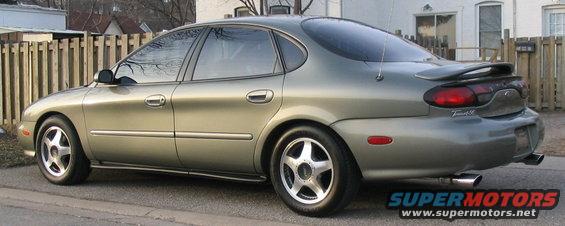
x,y
44,117
266,147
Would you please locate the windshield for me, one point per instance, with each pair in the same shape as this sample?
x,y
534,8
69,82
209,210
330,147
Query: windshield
x,y
362,42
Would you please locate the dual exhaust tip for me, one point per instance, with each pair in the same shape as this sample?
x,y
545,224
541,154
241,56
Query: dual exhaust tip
x,y
533,159
467,180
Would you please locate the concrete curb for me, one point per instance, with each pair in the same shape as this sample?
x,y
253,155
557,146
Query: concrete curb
x,y
129,210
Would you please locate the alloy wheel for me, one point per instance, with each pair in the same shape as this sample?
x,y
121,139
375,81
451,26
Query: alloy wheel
x,y
55,151
307,170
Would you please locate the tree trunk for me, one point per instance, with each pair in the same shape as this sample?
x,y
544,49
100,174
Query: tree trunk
x,y
297,7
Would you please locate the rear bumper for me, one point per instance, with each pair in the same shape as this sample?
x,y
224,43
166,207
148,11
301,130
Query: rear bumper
x,y
430,147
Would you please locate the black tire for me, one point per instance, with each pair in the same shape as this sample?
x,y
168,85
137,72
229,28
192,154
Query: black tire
x,y
346,174
78,168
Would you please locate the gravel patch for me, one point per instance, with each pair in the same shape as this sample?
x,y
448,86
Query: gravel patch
x,y
11,153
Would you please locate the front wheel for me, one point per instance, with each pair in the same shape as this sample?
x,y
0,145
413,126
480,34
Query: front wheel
x,y
59,153
313,172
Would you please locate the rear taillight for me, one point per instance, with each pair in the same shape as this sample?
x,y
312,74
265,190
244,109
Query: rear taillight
x,y
451,97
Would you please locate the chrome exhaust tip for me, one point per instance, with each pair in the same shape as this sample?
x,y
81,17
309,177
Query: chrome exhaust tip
x,y
533,159
465,180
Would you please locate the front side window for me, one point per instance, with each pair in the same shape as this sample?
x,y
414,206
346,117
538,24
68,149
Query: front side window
x,y
235,52
362,42
490,27
160,61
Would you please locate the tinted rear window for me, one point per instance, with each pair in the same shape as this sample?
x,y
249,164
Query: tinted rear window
x,y
362,42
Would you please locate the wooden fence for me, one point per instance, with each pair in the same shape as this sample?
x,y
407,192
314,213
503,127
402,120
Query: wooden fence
x,y
543,69
29,71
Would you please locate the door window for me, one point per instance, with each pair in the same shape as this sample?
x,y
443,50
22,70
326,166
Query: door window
x,y
160,61
235,52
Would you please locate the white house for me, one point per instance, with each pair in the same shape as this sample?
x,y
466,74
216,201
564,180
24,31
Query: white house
x,y
32,16
33,23
465,23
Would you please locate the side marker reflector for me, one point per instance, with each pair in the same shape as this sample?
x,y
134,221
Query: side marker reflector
x,y
26,132
379,140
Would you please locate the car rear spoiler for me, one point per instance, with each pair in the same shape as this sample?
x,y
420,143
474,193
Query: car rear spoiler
x,y
462,71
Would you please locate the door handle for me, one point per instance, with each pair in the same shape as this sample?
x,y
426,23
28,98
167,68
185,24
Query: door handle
x,y
155,101
260,96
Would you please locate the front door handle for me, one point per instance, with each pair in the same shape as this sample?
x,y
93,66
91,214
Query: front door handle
x,y
260,96
155,101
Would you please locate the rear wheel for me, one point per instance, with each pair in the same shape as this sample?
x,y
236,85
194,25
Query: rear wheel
x,y
59,153
313,172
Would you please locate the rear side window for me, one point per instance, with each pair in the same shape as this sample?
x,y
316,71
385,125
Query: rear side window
x,y
292,54
235,52
361,42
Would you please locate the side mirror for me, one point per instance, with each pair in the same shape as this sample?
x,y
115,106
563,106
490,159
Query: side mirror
x,y
105,76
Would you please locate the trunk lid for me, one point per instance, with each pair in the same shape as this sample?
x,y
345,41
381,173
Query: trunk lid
x,y
497,91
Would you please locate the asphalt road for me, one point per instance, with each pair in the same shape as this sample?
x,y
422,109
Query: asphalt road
x,y
252,201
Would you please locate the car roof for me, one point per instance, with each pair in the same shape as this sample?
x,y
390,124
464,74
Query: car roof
x,y
282,22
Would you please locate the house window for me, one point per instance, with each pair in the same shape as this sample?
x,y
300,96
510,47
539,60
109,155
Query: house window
x,y
490,26
242,12
441,26
279,9
554,22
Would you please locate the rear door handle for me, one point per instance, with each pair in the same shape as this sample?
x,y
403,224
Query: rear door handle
x,y
260,96
155,101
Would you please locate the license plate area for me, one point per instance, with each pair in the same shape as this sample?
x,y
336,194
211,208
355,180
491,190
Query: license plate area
x,y
523,141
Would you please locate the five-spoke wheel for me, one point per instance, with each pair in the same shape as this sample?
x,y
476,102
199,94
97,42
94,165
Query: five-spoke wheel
x,y
306,170
313,171
55,151
59,152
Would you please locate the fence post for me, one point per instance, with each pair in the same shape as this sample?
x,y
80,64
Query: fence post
x,y
561,74
1,88
64,81
550,75
45,69
76,62
101,52
16,93
7,84
505,47
112,51
536,68
35,72
124,46
88,58
26,66
55,66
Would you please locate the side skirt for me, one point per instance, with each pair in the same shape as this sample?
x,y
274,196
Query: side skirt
x,y
205,174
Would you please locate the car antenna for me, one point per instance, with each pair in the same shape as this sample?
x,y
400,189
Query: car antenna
x,y
380,76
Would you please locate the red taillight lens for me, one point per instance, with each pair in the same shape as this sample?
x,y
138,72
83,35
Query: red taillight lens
x,y
451,97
